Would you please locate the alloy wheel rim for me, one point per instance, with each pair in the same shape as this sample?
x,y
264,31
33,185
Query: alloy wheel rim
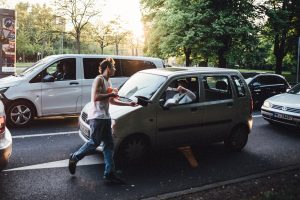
x,y
20,115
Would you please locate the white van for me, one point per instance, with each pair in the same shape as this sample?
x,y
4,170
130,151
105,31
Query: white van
x,y
39,91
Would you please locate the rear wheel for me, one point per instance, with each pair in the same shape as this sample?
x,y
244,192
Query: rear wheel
x,y
132,150
237,139
20,114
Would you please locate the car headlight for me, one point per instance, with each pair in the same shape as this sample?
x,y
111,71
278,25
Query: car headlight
x,y
267,104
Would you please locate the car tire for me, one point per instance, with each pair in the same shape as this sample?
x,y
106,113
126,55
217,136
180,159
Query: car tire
x,y
20,114
132,151
237,139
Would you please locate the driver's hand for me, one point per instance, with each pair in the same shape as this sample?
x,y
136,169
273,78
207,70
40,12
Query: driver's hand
x,y
181,89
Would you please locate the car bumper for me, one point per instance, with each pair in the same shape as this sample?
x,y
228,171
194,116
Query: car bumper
x,y
281,117
5,149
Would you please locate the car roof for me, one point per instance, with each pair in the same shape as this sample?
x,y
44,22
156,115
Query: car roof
x,y
173,71
255,74
105,56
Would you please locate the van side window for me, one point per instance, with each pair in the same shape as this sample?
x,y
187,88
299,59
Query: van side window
x,y
91,67
132,66
216,88
239,86
62,70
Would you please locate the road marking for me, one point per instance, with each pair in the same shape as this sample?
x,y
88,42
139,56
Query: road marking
x,y
88,160
223,183
43,135
256,116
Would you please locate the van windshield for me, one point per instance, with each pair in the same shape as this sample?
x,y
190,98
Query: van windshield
x,y
141,84
36,65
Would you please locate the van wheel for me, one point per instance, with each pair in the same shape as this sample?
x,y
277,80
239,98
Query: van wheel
x,y
132,150
237,139
19,114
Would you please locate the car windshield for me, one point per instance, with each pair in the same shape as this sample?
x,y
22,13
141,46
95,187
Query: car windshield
x,y
295,89
36,65
141,84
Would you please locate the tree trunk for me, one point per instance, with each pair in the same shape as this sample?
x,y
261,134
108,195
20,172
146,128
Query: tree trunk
x,y
117,49
187,53
78,41
279,46
226,40
222,59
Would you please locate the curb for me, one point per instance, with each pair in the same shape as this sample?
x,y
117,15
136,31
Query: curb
x,y
223,183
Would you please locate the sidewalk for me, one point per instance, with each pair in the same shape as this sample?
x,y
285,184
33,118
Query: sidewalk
x,y
277,184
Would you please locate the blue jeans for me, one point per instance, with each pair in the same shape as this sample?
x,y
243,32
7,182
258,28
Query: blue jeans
x,y
100,131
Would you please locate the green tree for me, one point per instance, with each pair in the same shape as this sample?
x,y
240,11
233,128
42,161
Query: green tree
x,y
36,30
208,28
79,13
279,27
103,34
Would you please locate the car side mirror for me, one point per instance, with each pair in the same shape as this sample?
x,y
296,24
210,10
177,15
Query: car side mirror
x,y
48,78
170,102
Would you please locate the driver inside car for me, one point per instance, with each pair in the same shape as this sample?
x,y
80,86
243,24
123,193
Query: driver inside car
x,y
180,94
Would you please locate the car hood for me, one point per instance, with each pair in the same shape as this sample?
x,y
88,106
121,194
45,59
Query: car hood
x,y
115,111
286,99
10,81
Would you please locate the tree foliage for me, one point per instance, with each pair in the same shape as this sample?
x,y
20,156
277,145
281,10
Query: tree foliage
x,y
79,12
281,26
209,28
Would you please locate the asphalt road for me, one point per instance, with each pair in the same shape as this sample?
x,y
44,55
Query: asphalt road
x,y
38,166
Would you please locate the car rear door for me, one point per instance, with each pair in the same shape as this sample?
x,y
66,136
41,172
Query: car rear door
x,y
218,107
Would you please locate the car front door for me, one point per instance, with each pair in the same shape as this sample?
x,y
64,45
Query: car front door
x,y
178,124
63,95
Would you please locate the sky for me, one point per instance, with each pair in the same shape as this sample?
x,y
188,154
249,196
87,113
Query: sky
x,y
127,10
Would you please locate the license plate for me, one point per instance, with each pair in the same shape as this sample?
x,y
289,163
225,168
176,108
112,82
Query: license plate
x,y
283,116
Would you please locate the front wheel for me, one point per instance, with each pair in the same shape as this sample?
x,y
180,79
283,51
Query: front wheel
x,y
237,139
132,150
20,114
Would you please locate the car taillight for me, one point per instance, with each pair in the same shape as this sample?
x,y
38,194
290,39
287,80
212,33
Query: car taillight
x,y
2,125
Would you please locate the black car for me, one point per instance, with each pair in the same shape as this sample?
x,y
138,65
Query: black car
x,y
265,85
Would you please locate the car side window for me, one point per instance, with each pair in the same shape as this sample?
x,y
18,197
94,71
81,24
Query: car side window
x,y
182,91
62,70
130,67
91,67
239,86
216,88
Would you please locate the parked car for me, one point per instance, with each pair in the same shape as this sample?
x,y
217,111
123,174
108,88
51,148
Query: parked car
x,y
283,108
39,91
265,85
5,139
220,111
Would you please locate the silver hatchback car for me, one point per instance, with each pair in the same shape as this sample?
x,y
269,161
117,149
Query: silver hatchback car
x,y
215,105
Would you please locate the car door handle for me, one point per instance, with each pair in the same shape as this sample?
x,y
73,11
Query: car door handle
x,y
74,83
